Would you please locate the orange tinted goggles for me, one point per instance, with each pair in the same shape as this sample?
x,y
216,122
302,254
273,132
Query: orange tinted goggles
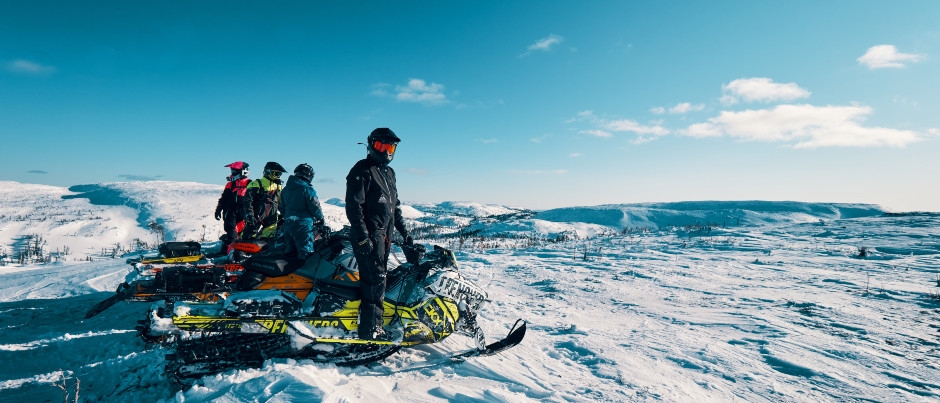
x,y
384,147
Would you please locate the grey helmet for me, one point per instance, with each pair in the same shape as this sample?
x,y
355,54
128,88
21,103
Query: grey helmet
x,y
305,172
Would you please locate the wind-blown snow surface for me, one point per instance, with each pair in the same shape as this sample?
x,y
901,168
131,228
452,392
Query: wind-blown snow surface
x,y
776,306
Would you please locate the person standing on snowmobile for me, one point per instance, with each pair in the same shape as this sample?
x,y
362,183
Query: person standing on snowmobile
x,y
373,209
231,204
303,217
264,194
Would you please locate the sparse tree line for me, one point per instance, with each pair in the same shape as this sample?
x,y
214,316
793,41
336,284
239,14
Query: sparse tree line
x,y
59,218
34,249
472,237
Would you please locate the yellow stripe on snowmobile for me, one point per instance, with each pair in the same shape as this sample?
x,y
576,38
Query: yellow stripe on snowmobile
x,y
359,341
443,312
166,260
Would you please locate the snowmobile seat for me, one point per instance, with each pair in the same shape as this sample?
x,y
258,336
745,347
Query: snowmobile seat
x,y
180,249
257,268
273,266
344,289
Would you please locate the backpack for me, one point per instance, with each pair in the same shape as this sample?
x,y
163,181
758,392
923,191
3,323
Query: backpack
x,y
265,205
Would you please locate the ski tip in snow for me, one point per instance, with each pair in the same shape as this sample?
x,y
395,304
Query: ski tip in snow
x,y
515,336
101,306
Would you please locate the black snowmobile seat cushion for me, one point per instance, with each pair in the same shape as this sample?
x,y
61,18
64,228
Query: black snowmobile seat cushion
x,y
344,289
180,249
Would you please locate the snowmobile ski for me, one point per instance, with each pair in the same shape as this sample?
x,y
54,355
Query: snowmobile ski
x,y
101,306
515,336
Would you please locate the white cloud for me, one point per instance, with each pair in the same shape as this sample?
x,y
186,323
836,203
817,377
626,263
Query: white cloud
x,y
589,115
420,91
539,172
417,91
597,133
903,101
686,107
574,155
488,141
418,171
886,56
544,44
659,110
29,67
808,126
627,125
604,128
760,89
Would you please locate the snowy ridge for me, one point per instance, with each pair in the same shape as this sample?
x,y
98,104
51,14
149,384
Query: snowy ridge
x,y
95,218
185,209
70,226
716,213
800,302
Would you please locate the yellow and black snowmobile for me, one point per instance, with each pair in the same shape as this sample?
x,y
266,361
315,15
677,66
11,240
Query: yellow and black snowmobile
x,y
283,307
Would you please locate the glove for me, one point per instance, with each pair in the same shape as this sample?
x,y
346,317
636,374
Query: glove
x,y
218,214
409,241
250,221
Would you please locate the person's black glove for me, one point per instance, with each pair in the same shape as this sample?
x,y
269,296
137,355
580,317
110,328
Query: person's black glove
x,y
218,214
320,229
409,241
250,221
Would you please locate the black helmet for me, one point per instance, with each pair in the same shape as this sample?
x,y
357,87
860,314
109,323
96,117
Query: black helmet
x,y
386,141
305,172
273,170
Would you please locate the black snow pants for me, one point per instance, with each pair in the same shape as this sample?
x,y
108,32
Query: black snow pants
x,y
373,270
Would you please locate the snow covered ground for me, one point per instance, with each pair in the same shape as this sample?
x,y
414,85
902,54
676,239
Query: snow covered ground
x,y
695,301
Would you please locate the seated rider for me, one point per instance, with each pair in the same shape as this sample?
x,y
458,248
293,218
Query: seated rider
x,y
264,194
303,217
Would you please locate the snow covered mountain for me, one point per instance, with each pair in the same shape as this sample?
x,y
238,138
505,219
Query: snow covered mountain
x,y
690,301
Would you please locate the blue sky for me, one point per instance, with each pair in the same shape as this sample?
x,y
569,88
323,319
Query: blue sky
x,y
535,104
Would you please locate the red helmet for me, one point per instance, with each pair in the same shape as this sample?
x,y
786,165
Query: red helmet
x,y
239,169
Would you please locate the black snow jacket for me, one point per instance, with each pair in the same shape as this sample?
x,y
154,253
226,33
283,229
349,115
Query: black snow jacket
x,y
372,204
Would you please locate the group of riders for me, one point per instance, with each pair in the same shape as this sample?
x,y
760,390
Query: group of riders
x,y
291,216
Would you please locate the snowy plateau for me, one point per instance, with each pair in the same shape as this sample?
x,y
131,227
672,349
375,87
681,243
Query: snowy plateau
x,y
729,301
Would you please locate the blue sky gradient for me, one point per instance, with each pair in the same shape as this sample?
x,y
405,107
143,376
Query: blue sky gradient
x,y
529,104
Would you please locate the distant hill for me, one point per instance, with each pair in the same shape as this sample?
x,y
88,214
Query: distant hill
x,y
720,213
86,221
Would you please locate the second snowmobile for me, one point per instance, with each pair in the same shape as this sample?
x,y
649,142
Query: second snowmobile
x,y
182,271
